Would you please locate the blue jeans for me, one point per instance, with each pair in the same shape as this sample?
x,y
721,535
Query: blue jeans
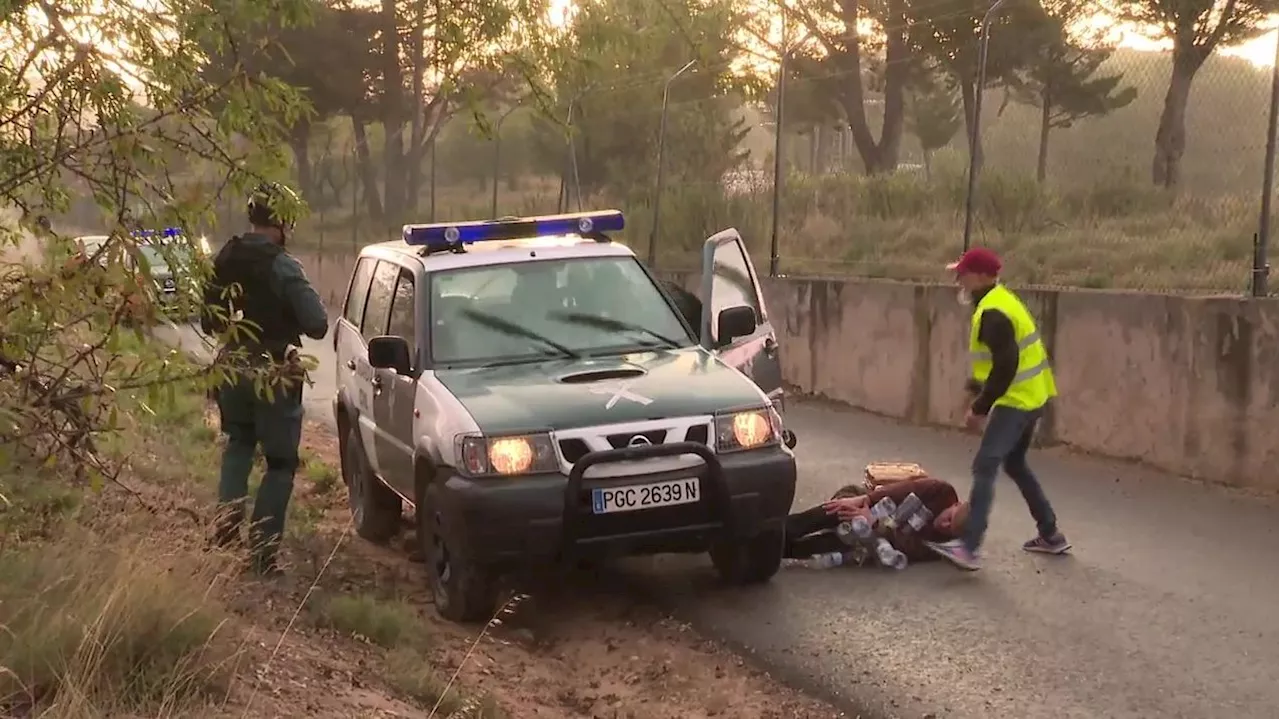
x,y
1004,444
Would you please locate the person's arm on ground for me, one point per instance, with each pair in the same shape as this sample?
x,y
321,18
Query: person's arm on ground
x,y
292,285
995,331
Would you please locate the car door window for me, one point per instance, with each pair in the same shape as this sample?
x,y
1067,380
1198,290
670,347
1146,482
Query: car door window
x,y
402,317
377,311
731,282
358,291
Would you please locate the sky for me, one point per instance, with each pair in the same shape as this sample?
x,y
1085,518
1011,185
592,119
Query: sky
x,y
1261,51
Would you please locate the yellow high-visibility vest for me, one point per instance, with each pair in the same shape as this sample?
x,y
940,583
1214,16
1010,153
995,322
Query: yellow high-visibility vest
x,y
1033,385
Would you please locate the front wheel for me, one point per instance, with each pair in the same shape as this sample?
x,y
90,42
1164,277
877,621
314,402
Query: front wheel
x,y
749,561
375,509
463,591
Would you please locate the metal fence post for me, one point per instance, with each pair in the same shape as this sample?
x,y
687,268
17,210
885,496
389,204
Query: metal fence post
x,y
975,132
433,181
573,151
1261,268
662,141
355,201
778,110
497,159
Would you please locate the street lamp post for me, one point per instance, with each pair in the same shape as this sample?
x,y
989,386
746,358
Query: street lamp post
x,y
573,153
433,179
662,141
974,131
1261,268
497,158
778,110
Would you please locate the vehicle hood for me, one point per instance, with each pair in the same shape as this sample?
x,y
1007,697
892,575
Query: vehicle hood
x,y
565,394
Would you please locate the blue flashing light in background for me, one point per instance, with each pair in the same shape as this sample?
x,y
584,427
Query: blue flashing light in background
x,y
167,232
448,235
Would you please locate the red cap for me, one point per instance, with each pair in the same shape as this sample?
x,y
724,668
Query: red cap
x,y
977,261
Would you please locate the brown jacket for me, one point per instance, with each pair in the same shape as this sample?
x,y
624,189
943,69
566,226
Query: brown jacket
x,y
935,494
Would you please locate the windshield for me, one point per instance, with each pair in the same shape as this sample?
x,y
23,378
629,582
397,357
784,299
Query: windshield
x,y
588,307
167,255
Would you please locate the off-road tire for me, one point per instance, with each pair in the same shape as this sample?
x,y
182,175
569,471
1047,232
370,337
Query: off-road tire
x,y
375,509
467,592
749,561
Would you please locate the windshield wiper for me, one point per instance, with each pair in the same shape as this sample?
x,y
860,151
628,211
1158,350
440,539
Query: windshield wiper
x,y
612,325
510,328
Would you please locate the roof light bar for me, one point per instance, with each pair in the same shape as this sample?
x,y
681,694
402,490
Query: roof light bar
x,y
166,232
455,235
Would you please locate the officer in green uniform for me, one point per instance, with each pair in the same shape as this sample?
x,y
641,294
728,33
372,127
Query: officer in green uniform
x,y
1011,382
272,292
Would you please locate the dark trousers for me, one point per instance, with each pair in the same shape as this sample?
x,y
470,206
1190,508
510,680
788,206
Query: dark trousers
x,y
811,532
251,421
1004,445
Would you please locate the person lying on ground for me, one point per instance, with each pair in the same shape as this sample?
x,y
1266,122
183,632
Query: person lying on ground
x,y
813,531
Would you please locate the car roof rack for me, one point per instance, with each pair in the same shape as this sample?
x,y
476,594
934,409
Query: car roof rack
x,y
455,236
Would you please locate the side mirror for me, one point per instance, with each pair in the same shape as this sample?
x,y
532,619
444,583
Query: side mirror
x,y
390,352
735,322
789,438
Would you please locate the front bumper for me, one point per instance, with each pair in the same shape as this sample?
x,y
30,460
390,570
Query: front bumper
x,y
531,520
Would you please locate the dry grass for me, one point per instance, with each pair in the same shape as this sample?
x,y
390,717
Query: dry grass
x,y
411,673
110,609
94,628
389,624
395,626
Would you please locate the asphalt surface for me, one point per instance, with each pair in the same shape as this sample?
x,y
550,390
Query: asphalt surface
x,y
1167,606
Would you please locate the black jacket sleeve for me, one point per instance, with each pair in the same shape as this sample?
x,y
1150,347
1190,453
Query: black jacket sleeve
x,y
995,331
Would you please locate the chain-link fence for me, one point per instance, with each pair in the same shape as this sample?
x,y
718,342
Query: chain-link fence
x,y
1068,201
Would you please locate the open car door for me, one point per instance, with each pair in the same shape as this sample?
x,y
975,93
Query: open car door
x,y
729,281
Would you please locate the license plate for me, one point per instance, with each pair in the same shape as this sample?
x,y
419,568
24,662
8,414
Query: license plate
x,y
644,496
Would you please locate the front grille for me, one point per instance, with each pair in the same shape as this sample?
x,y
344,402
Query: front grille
x,y
573,450
697,433
623,439
580,442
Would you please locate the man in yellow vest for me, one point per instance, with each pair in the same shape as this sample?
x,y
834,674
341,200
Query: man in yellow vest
x,y
1012,382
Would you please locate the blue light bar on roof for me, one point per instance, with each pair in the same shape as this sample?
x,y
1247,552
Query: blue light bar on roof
x,y
452,235
166,232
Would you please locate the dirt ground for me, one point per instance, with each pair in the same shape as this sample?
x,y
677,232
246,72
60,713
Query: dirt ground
x,y
583,649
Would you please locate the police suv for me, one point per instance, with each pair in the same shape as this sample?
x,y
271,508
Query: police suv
x,y
166,256
528,387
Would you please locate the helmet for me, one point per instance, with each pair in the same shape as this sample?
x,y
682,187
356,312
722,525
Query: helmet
x,y
272,204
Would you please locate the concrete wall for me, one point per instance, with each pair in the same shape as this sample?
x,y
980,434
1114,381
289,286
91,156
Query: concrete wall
x,y
1185,384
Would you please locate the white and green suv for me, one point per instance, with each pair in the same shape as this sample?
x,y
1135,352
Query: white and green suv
x,y
537,397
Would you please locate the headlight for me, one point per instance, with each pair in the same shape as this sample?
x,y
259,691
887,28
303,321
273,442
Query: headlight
x,y
507,456
748,430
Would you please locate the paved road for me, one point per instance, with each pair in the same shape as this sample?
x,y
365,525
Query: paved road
x,y
1167,607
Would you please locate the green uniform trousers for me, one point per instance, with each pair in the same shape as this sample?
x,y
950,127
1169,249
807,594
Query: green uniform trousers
x,y
249,421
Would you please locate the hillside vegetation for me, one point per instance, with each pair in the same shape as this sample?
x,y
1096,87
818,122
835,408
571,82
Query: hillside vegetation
x,y
1096,222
